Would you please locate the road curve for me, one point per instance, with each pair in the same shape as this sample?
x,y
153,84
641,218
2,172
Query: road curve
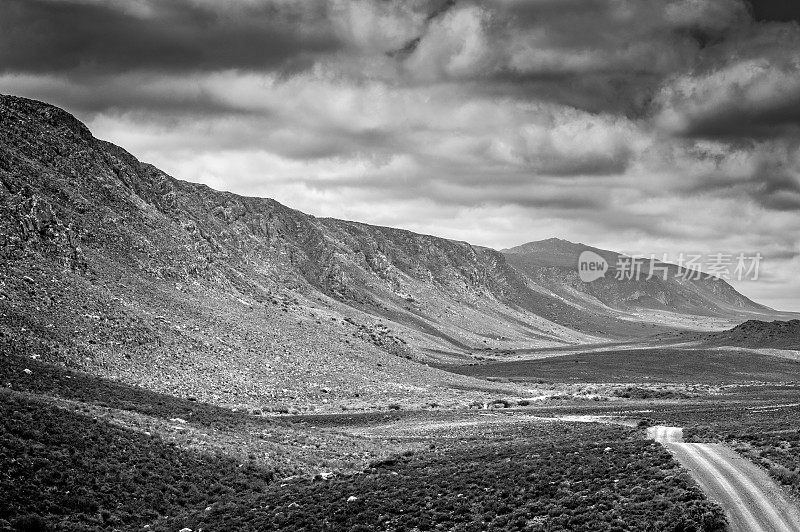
x,y
752,500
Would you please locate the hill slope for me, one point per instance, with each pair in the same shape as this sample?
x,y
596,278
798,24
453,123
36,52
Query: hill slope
x,y
754,334
110,265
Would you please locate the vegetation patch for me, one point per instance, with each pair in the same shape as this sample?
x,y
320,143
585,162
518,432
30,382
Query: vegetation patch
x,y
66,471
767,435
61,470
572,477
644,366
23,374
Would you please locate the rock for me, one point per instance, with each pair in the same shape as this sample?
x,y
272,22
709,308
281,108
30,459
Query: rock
x,y
178,420
27,371
185,530
352,498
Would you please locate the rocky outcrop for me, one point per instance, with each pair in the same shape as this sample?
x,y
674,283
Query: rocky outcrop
x,y
776,334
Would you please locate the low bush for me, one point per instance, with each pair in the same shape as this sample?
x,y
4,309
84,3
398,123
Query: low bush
x,y
585,478
768,436
60,467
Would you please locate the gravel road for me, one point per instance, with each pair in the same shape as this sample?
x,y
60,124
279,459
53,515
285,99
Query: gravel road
x,y
751,499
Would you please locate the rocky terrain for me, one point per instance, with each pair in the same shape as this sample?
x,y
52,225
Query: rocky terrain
x,y
110,266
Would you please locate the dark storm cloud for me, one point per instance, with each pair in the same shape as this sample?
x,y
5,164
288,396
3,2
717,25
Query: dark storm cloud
x,y
779,192
592,22
48,36
93,95
780,120
744,89
741,118
453,191
596,55
775,10
624,93
771,182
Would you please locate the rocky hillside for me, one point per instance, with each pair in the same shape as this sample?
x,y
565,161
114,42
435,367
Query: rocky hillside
x,y
109,265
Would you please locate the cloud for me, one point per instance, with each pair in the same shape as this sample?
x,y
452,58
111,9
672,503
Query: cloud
x,y
456,45
89,37
755,98
775,10
598,55
315,115
138,92
639,126
773,187
378,27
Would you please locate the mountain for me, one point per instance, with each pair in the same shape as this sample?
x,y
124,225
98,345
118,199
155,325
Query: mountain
x,y
553,264
109,265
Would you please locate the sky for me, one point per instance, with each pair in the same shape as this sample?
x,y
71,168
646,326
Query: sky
x,y
646,127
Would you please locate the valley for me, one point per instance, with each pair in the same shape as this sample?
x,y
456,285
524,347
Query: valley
x,y
174,357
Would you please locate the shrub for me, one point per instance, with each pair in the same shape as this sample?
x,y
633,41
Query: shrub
x,y
784,475
559,479
30,523
57,465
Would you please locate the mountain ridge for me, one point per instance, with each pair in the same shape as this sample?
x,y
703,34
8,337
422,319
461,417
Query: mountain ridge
x,y
659,285
113,266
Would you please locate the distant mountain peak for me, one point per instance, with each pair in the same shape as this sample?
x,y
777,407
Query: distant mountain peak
x,y
549,244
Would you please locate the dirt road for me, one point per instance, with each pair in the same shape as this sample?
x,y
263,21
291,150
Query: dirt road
x,y
752,500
